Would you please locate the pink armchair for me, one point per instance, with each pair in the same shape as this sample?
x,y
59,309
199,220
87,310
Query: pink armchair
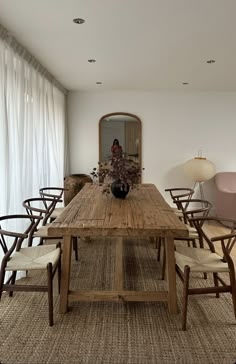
x,y
226,194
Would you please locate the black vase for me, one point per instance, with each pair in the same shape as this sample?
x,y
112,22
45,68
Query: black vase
x,y
119,190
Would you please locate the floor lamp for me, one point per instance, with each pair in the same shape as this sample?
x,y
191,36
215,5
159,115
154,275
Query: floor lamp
x,y
199,169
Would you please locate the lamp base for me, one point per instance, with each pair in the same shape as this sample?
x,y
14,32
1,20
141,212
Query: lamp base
x,y
200,188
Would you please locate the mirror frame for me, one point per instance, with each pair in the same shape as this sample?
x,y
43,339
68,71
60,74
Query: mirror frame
x,y
139,130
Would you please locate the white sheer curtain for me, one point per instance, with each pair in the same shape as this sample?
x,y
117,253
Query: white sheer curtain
x,y
32,131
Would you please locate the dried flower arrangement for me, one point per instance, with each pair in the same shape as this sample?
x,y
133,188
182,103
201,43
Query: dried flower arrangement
x,y
118,169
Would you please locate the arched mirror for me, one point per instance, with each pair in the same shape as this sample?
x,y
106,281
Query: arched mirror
x,y
127,129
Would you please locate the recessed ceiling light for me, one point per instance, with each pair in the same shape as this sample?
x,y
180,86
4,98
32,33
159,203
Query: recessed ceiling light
x,y
78,21
185,83
91,60
211,61
98,83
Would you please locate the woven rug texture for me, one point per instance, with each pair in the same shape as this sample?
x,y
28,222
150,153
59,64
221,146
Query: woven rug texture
x,y
119,333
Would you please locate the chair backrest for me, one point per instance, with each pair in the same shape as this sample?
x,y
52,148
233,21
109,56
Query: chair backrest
x,y
208,228
193,208
40,206
52,192
11,240
180,193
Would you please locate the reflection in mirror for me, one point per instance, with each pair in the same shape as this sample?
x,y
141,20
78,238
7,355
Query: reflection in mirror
x,y
127,129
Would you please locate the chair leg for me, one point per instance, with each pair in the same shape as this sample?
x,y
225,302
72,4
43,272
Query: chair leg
x,y
13,279
50,293
2,276
163,271
75,246
201,244
59,275
185,296
155,243
233,285
216,283
158,246
152,240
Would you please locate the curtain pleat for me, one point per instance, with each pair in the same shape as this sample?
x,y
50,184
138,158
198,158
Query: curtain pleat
x,y
10,41
33,149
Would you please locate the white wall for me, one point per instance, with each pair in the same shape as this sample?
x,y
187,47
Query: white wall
x,y
174,127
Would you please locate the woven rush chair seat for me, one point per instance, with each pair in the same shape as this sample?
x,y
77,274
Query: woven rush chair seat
x,y
192,237
190,208
35,258
206,260
17,257
199,260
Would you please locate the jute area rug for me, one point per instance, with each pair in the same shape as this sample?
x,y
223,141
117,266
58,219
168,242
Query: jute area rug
x,y
136,333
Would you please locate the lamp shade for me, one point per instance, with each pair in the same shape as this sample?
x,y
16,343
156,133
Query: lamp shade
x,y
199,169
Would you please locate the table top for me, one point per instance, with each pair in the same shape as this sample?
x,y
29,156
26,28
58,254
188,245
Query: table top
x,y
144,212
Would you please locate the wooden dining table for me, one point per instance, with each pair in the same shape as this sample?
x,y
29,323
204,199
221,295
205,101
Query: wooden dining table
x,y
144,213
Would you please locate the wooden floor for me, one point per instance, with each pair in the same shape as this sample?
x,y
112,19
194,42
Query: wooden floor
x,y
213,230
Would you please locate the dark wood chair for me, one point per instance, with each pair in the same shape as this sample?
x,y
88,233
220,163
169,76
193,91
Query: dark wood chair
x,y
44,207
17,257
189,208
177,194
197,260
57,194
193,208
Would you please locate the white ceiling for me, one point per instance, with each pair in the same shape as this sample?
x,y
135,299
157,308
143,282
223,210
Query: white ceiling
x,y
137,44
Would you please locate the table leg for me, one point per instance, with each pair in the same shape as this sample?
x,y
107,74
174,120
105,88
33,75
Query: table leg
x,y
171,275
65,273
119,264
152,241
